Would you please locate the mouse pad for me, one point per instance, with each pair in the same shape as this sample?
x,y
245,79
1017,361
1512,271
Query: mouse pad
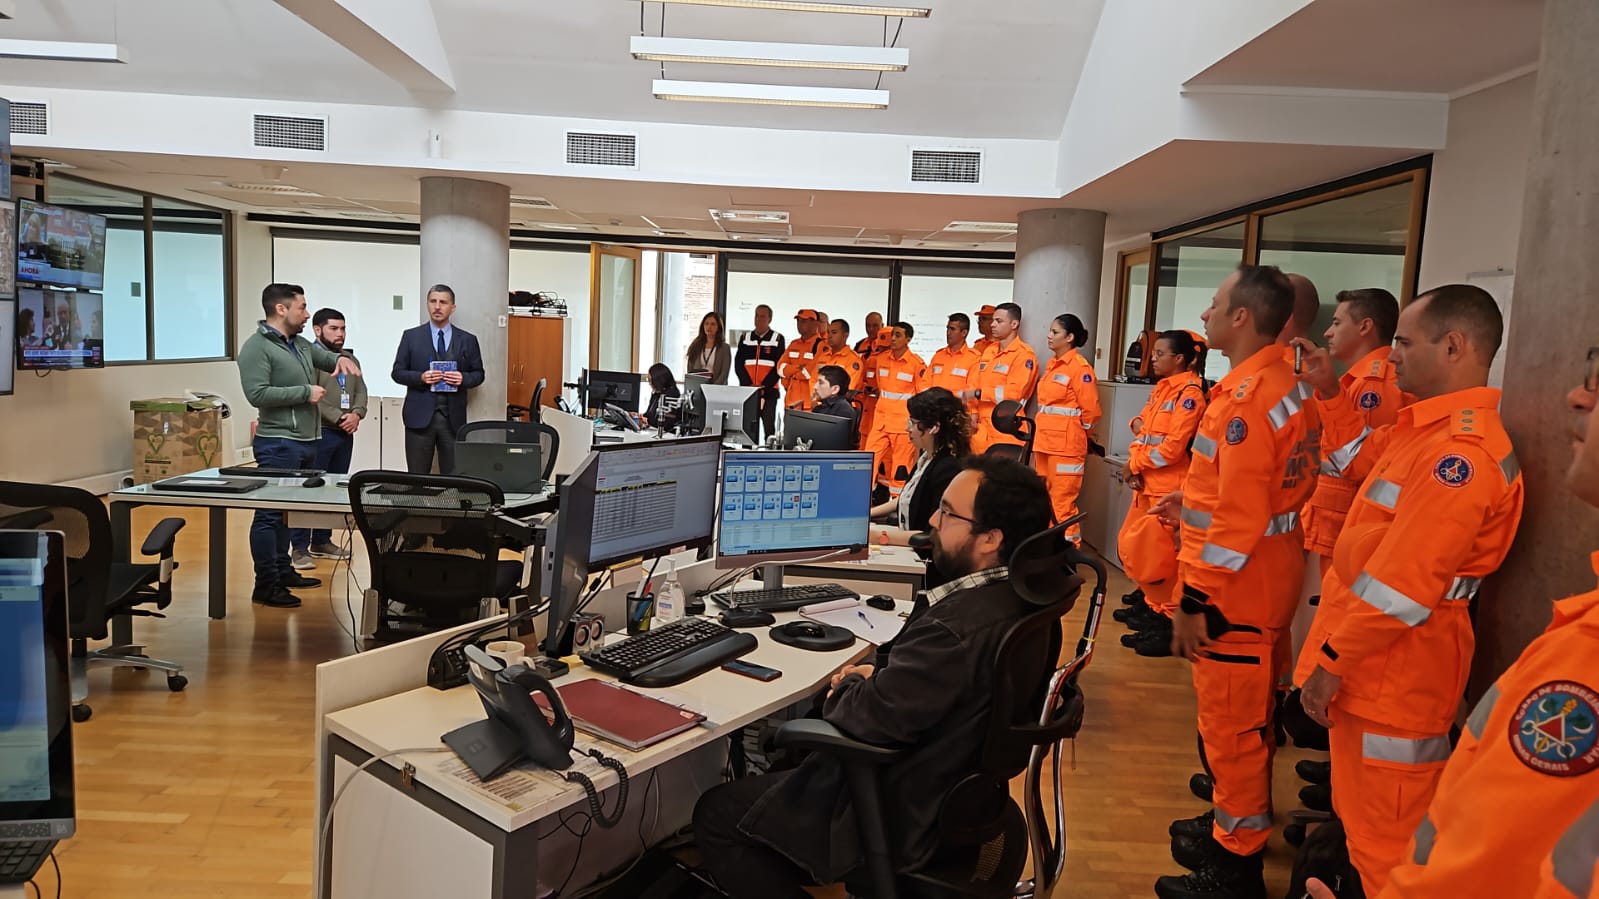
x,y
832,638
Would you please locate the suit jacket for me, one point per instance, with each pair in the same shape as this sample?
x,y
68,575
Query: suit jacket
x,y
931,695
412,359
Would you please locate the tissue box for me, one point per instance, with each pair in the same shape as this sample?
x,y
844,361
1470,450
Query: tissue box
x,y
174,436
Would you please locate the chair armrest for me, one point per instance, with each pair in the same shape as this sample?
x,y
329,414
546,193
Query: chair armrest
x,y
161,537
820,736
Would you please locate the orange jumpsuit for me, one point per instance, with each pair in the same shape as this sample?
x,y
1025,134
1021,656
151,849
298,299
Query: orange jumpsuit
x,y
1435,517
1370,385
1002,374
1254,464
1068,406
869,360
1531,745
981,345
845,358
1159,454
953,371
796,371
897,381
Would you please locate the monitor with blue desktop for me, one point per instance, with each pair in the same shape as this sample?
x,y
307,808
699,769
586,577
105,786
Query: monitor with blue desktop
x,y
788,506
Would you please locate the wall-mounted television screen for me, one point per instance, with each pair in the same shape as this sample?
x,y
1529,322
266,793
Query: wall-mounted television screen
x,y
59,329
60,246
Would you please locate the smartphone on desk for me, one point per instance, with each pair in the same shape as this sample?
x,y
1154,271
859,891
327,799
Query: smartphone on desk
x,y
750,669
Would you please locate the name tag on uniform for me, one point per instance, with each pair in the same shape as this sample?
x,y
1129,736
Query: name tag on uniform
x,y
1062,379
1002,368
938,369
958,372
810,355
906,376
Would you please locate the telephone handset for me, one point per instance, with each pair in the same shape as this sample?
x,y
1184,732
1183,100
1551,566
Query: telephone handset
x,y
516,728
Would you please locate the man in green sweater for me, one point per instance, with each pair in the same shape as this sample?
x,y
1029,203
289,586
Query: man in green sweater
x,y
277,368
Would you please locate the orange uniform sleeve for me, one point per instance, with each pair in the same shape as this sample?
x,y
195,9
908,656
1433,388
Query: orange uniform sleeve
x,y
1350,447
1179,430
1433,533
1021,379
1247,464
1087,390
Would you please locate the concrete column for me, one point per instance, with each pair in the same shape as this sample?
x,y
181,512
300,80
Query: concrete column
x,y
1554,321
466,243
1059,253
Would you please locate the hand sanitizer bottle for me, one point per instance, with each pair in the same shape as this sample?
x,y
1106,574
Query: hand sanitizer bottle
x,y
669,599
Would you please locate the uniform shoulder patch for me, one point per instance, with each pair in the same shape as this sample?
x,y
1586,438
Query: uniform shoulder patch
x,y
1190,404
1371,399
1088,378
1237,430
1453,470
1028,363
1553,730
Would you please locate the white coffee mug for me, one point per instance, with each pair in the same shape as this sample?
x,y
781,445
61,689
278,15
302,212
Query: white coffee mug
x,y
510,652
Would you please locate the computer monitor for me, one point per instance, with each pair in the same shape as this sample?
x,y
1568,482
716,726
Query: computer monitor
x,y
60,246
778,507
733,412
614,388
36,785
58,329
693,415
820,432
629,501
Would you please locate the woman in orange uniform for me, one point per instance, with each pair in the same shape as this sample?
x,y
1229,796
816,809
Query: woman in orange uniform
x,y
1156,464
1068,406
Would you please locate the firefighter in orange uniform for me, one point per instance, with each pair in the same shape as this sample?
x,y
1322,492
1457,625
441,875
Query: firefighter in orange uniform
x,y
877,347
874,323
985,330
954,364
1008,370
836,351
1241,557
797,370
1068,407
900,374
1156,465
1386,662
1529,744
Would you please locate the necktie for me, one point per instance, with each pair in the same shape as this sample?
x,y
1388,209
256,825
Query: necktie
x,y
442,350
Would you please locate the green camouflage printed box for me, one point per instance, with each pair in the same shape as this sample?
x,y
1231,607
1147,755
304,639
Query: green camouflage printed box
x,y
173,436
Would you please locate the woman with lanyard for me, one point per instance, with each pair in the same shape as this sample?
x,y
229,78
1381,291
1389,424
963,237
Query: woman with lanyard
x,y
708,352
1156,464
1068,406
941,431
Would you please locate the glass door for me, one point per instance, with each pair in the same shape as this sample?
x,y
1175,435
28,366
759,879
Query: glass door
x,y
1132,298
614,287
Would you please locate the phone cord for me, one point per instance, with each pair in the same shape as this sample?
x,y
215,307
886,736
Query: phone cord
x,y
595,809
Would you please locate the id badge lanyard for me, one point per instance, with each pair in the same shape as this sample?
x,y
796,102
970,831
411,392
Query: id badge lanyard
x,y
344,394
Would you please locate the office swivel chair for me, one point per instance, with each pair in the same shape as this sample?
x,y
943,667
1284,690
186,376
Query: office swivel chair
x,y
98,589
524,432
434,552
530,412
984,839
1008,418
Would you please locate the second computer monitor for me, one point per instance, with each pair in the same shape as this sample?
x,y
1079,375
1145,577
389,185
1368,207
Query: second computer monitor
x,y
616,388
733,412
693,416
779,507
818,431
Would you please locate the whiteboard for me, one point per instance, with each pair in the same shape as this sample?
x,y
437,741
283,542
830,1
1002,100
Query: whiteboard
x,y
1500,284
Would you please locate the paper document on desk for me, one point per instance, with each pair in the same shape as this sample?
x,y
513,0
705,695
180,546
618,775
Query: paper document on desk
x,y
875,626
520,787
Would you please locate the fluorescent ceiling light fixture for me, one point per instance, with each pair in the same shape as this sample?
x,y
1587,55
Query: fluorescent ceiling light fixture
x,y
904,12
70,51
981,227
769,94
750,215
755,53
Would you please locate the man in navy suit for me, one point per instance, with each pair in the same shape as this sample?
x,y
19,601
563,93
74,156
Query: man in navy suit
x,y
432,415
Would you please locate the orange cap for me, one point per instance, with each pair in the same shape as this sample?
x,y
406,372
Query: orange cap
x,y
885,336
807,313
988,309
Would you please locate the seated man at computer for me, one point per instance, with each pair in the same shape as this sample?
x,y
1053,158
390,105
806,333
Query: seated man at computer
x,y
764,837
831,383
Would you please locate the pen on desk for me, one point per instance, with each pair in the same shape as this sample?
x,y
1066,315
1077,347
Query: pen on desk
x,y
865,619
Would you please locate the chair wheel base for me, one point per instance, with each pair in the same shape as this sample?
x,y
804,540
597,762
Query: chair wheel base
x,y
81,712
177,682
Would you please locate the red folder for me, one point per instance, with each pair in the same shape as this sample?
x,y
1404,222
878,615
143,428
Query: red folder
x,y
617,714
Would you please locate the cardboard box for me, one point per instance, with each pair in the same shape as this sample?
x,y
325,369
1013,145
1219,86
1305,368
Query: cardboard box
x,y
174,436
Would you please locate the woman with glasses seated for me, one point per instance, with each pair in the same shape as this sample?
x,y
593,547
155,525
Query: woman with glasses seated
x,y
662,384
941,431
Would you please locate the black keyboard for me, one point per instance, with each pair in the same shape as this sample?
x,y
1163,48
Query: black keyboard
x,y
20,859
250,471
671,653
783,599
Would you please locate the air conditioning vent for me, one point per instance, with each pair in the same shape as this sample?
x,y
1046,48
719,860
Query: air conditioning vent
x,y
291,132
30,117
590,148
947,166
534,202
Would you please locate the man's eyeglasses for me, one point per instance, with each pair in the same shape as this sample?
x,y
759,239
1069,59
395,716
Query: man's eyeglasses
x,y
945,510
1590,382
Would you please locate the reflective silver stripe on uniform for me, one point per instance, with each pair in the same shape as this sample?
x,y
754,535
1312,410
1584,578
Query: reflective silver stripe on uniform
x,y
1282,524
1389,601
1510,468
1288,406
1002,368
1157,459
1426,835
1339,459
1383,493
895,396
1420,751
1222,557
1464,588
1194,518
1068,468
1168,406
1249,822
1071,411
1154,441
958,372
1479,715
999,394
1204,446
1577,852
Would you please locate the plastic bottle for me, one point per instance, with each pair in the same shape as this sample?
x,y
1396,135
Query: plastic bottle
x,y
669,599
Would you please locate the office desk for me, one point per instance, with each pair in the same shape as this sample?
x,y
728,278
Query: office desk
x,y
885,565
326,506
432,832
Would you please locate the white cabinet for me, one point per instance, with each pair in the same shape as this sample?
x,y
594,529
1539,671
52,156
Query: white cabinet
x,y
1105,500
1119,404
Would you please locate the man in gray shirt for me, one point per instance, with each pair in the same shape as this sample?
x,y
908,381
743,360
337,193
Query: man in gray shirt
x,y
342,407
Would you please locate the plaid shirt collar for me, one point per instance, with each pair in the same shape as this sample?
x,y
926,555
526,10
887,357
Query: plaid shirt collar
x,y
970,581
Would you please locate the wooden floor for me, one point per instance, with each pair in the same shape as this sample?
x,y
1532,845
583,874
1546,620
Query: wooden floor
x,y
209,792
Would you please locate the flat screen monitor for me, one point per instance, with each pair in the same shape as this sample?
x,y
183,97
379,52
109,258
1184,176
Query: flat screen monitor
x,y
778,507
732,411
693,416
614,388
59,329
8,347
36,786
819,432
64,247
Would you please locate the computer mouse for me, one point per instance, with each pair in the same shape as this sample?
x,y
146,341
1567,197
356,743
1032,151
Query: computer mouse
x,y
881,601
804,629
747,618
313,481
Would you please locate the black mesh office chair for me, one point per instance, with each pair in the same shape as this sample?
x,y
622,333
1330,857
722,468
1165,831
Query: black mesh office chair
x,y
434,552
524,432
1008,418
98,589
984,838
